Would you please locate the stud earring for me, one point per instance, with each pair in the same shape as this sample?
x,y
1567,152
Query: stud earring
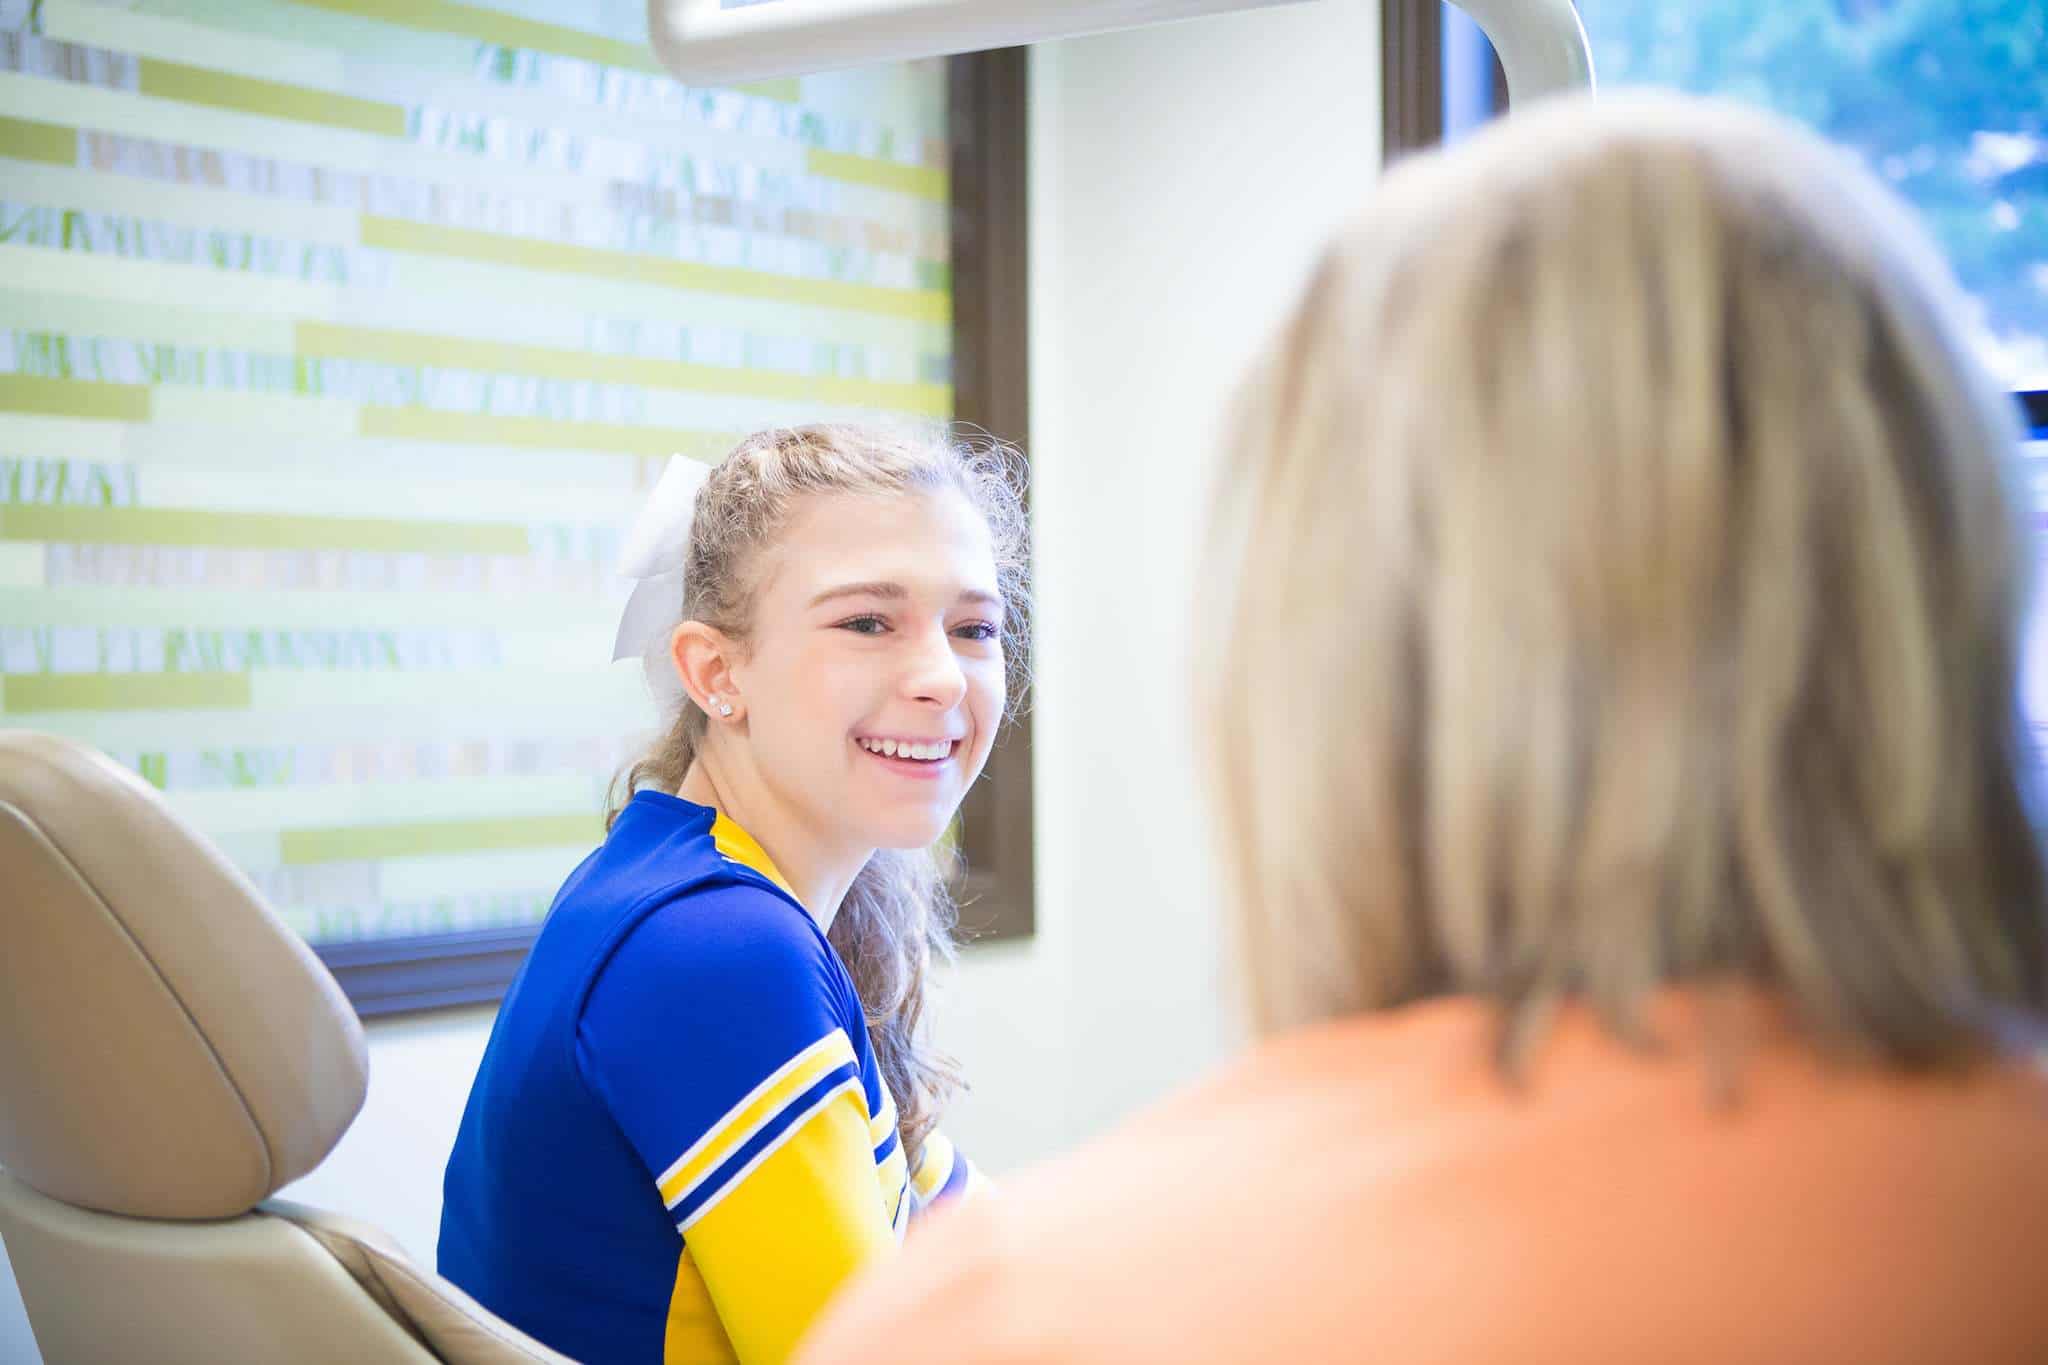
x,y
724,708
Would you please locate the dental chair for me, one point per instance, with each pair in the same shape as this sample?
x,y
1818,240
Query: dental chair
x,y
170,1056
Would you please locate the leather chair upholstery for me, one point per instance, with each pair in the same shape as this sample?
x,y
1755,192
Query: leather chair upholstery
x,y
170,1057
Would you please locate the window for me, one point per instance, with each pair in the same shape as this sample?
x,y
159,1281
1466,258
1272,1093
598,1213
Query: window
x,y
1942,98
339,343
2034,661
1475,88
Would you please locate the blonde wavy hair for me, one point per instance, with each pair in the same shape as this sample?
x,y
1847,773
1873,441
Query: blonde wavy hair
x,y
1623,590
897,917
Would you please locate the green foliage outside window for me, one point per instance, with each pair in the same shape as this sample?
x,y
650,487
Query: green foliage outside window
x,y
1945,99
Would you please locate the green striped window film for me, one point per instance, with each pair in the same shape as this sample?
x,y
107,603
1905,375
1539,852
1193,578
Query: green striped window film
x,y
342,340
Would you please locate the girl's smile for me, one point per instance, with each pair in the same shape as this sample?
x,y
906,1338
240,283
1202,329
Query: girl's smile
x,y
920,760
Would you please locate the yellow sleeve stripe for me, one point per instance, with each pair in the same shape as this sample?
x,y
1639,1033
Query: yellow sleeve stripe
x,y
934,1166
761,1107
850,1086
884,1123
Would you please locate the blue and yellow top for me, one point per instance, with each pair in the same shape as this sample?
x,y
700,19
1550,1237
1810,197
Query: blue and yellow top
x,y
678,1145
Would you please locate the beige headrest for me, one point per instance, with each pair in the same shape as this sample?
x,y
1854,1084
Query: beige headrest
x,y
168,1049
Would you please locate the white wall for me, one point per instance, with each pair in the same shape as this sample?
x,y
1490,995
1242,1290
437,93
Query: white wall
x,y
1181,179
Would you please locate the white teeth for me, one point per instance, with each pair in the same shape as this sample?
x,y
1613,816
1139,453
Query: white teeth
x,y
890,748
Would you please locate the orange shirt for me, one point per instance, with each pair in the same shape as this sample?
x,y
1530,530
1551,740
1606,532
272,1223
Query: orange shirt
x,y
1372,1190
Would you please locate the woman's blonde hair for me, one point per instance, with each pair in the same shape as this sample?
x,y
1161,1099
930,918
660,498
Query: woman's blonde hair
x,y
1623,590
897,918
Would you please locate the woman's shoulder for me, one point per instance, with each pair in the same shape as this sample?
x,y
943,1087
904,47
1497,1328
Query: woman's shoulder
x,y
1384,1160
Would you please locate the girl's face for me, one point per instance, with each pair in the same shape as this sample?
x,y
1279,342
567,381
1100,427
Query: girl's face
x,y
874,681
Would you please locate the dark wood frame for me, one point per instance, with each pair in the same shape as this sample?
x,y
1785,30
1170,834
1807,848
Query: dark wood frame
x,y
1411,76
986,98
427,971
991,392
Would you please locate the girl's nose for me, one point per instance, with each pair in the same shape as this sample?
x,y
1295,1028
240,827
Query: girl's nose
x,y
934,674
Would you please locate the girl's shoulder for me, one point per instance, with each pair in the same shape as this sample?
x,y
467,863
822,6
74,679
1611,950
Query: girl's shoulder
x,y
730,922
728,980
672,860
661,905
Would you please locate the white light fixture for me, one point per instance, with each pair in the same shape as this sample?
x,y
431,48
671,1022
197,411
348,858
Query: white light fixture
x,y
1541,43
706,43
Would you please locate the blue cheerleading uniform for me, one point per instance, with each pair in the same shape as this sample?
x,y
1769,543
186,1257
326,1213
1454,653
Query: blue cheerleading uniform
x,y
678,1145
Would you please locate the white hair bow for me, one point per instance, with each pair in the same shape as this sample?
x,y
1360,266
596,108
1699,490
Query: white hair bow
x,y
656,554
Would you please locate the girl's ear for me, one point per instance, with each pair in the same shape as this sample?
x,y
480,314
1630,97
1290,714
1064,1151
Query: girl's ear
x,y
703,659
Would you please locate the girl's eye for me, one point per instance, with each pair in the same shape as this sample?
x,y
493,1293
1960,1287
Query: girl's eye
x,y
978,630
865,625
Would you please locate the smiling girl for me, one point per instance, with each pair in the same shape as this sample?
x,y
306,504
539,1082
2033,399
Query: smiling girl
x,y
706,1101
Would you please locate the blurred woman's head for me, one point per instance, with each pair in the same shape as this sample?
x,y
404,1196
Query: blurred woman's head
x,y
1624,583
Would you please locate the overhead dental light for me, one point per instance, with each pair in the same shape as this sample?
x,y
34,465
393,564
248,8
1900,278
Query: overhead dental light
x,y
1541,43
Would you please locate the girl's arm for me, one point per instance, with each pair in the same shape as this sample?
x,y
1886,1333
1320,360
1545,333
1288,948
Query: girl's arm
x,y
944,1173
717,1038
781,1238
